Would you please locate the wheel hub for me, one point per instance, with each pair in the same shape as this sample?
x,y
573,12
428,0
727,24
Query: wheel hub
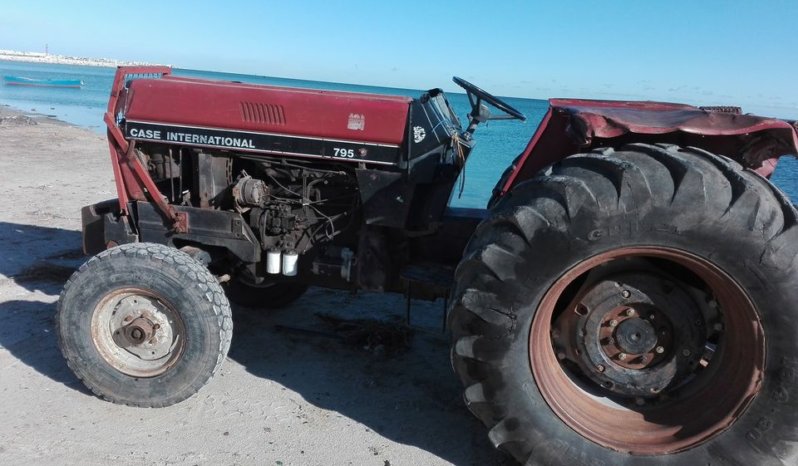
x,y
137,333
636,336
631,334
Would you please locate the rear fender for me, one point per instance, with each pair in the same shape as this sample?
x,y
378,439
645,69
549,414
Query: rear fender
x,y
572,126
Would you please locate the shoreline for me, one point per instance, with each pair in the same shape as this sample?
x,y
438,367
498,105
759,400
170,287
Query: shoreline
x,y
52,59
13,116
10,110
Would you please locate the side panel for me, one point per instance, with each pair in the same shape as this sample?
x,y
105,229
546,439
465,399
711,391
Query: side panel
x,y
219,228
104,227
271,143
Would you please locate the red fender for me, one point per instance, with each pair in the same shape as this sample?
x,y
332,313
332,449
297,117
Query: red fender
x,y
572,126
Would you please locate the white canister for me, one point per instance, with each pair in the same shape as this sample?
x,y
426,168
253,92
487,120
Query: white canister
x,y
290,259
273,261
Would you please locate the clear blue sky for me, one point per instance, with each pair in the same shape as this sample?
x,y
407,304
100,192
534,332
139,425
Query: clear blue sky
x,y
703,52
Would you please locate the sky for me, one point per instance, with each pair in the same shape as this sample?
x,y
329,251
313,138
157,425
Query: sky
x,y
704,52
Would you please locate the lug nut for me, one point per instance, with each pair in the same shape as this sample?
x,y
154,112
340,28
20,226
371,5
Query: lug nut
x,y
626,293
613,323
622,356
659,350
630,312
601,368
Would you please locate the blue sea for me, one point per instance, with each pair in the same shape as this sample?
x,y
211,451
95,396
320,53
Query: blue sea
x,y
499,142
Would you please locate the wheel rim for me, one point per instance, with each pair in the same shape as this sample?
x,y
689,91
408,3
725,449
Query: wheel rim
x,y
137,332
638,362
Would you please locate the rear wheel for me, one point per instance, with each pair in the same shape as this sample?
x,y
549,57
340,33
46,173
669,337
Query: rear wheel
x,y
633,307
144,325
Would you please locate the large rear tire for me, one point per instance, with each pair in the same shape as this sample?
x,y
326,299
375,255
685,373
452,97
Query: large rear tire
x,y
144,325
634,307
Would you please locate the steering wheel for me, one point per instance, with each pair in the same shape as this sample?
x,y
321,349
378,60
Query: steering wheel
x,y
474,91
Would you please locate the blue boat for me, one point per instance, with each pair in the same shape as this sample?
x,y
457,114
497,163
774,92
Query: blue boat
x,y
20,81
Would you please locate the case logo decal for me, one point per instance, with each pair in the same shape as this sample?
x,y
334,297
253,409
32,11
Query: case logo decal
x,y
418,134
357,122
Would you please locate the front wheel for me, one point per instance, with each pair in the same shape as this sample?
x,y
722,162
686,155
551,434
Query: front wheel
x,y
634,307
144,325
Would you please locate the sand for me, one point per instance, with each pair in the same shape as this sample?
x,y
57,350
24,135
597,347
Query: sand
x,y
282,397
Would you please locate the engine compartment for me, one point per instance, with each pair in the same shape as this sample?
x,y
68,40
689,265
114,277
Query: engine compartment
x,y
272,184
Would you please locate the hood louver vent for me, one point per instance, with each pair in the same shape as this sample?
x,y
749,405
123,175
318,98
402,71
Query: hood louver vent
x,y
262,113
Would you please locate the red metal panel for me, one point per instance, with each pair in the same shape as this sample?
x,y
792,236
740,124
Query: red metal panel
x,y
607,119
269,109
528,150
573,125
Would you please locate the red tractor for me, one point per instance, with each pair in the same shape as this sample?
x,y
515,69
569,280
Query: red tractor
x,y
628,296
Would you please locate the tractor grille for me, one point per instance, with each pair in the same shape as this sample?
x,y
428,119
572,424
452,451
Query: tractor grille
x,y
252,112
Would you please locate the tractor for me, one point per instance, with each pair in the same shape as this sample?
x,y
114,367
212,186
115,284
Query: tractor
x,y
626,297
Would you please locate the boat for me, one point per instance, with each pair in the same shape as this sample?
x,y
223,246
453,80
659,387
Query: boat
x,y
21,81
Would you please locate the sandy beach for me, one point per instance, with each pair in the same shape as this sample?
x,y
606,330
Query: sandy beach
x,y
306,394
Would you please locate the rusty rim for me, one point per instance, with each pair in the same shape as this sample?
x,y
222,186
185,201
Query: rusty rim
x,y
137,332
647,350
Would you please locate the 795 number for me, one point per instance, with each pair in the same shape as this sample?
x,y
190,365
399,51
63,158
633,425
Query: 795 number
x,y
344,153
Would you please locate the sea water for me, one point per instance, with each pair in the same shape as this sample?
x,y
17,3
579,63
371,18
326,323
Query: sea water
x,y
498,142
